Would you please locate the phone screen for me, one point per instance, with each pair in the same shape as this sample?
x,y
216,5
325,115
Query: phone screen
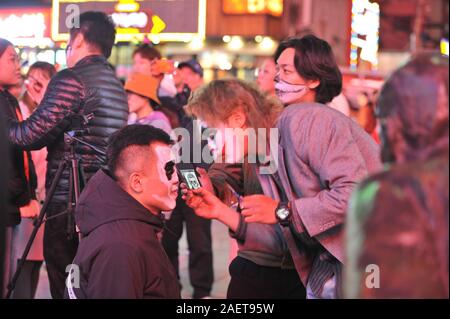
x,y
190,178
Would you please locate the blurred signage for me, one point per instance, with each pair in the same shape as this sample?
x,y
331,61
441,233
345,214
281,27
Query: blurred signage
x,y
365,36
26,27
175,20
272,7
444,46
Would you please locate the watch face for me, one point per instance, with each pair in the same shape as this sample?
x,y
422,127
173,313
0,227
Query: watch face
x,y
283,213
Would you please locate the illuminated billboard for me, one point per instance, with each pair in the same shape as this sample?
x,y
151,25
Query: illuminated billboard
x,y
175,20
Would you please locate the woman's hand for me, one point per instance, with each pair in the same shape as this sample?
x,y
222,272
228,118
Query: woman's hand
x,y
31,210
203,202
259,209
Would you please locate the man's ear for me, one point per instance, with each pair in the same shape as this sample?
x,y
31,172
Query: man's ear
x,y
78,41
134,183
313,84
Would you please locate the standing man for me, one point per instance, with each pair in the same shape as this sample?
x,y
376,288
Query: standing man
x,y
322,156
88,86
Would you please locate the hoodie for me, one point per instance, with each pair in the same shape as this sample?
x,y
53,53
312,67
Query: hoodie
x,y
119,255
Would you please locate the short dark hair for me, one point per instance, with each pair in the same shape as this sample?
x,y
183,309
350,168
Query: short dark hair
x,y
314,60
98,30
132,135
4,44
148,52
47,68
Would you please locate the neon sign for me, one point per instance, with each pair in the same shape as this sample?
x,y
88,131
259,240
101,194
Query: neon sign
x,y
138,19
25,27
273,7
365,36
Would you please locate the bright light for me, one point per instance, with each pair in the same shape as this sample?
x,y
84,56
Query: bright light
x,y
196,44
258,39
23,26
226,39
267,44
444,47
155,39
365,32
236,43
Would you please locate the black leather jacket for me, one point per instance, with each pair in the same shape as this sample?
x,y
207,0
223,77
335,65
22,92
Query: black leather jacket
x,y
90,87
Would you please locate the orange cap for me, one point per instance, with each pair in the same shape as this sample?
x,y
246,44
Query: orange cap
x,y
143,85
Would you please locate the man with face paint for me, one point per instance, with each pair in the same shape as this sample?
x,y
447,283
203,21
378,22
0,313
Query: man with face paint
x,y
322,155
398,219
120,218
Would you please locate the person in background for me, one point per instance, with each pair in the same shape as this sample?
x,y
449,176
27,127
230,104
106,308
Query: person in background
x,y
148,60
191,73
198,229
37,79
266,76
143,100
88,86
398,222
22,182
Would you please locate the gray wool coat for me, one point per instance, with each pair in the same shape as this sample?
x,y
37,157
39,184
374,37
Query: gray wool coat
x,y
322,155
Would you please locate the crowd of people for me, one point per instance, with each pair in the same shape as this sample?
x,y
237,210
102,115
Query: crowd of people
x,y
340,199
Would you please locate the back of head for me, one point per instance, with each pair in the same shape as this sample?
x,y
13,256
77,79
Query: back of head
x,y
98,30
127,145
147,52
413,109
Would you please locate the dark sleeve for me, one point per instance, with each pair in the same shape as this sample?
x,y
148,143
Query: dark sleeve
x,y
224,174
117,273
62,99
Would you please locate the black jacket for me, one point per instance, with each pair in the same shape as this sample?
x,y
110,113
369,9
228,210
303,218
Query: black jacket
x,y
20,190
91,87
120,255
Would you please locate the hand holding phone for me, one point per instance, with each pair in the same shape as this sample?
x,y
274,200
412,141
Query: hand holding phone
x,y
190,178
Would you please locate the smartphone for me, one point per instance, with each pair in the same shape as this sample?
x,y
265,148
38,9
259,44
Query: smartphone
x,y
190,177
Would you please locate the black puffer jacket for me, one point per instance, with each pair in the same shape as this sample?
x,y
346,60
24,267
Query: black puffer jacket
x,y
90,87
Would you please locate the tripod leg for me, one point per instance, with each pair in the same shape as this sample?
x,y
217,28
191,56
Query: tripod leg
x,y
38,224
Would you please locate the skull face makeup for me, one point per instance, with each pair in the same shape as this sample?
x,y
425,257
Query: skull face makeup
x,y
289,93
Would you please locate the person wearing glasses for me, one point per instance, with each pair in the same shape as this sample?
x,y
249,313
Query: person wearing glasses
x,y
21,182
88,87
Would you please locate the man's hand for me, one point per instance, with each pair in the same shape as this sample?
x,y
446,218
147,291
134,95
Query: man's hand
x,y
31,210
259,209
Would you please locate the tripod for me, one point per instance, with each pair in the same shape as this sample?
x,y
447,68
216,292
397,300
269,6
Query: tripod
x,y
76,182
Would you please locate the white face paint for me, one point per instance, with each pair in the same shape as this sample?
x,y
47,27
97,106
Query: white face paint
x,y
289,93
161,192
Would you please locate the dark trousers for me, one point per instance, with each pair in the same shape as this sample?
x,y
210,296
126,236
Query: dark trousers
x,y
28,280
251,281
198,231
59,251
